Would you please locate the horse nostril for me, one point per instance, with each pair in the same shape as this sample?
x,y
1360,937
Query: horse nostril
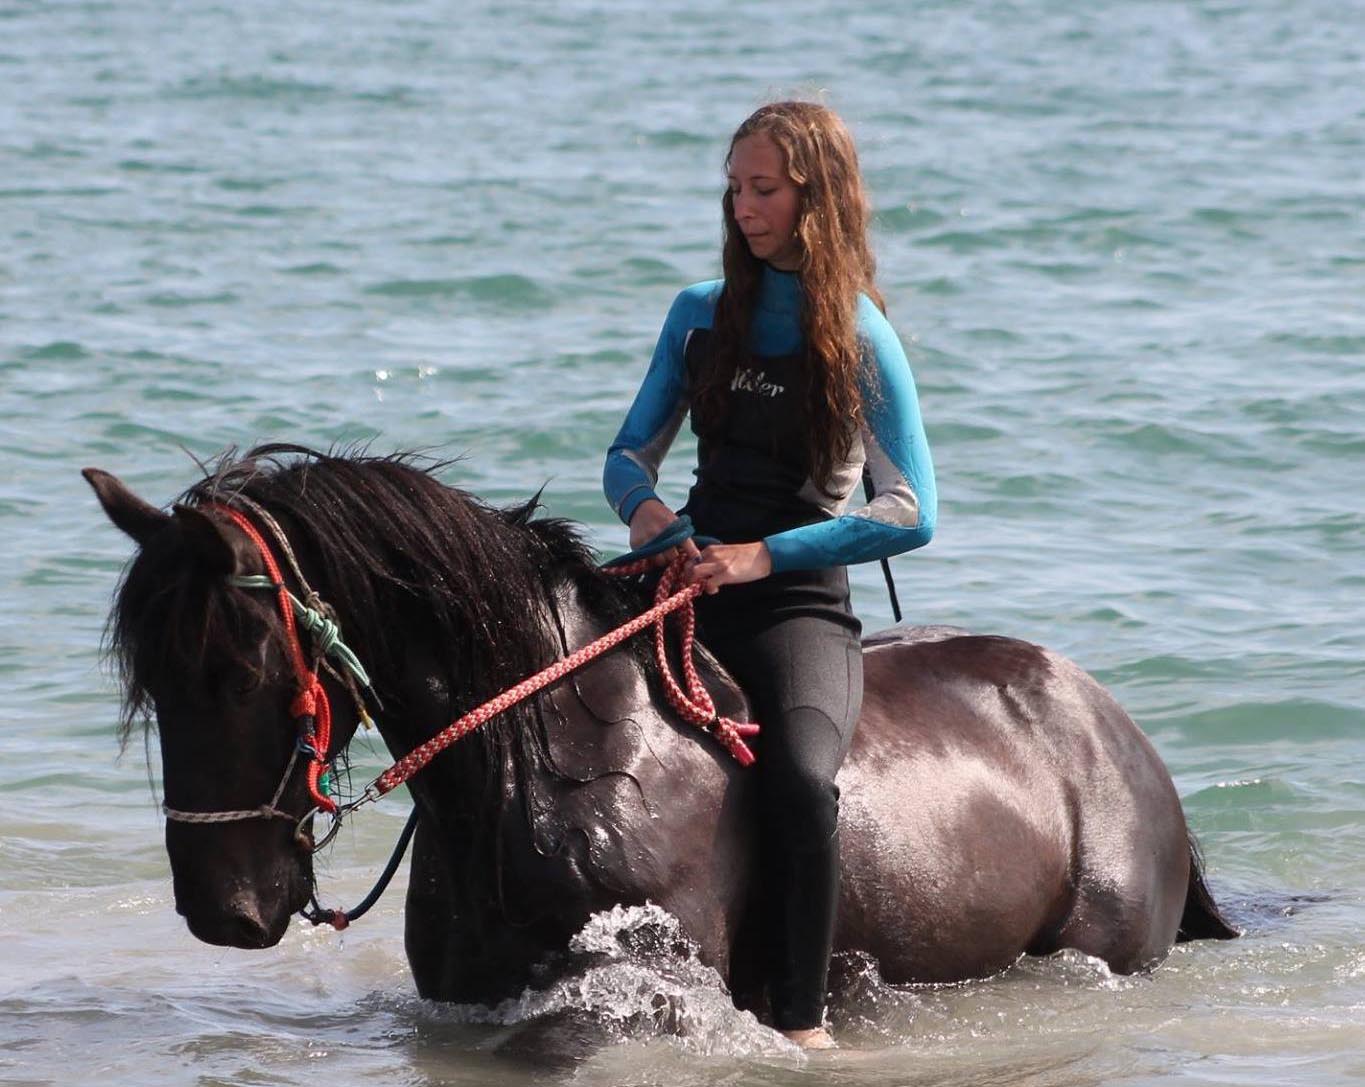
x,y
251,929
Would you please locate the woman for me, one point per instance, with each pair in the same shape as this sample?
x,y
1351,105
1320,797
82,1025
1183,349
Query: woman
x,y
794,380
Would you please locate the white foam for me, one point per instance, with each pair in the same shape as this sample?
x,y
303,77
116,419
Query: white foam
x,y
640,979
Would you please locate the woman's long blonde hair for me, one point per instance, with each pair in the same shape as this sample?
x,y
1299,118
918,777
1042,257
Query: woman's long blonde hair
x,y
836,265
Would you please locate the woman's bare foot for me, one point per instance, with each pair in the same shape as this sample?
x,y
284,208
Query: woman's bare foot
x,y
811,1038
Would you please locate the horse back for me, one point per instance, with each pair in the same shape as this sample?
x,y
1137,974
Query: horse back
x,y
1007,703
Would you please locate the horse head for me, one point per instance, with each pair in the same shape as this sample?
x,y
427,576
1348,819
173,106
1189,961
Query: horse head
x,y
210,661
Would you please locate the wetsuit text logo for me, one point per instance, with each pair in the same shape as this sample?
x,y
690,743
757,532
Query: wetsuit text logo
x,y
748,381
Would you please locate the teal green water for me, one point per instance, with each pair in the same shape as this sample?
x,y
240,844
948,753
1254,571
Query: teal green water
x,y
1123,244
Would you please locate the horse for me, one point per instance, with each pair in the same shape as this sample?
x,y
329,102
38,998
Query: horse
x,y
996,801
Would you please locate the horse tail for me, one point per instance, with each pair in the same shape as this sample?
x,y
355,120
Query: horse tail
x,y
1202,920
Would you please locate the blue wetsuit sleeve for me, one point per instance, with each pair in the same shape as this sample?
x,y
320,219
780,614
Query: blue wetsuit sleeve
x,y
632,467
904,512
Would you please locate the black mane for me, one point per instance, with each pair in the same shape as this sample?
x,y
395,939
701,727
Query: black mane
x,y
391,548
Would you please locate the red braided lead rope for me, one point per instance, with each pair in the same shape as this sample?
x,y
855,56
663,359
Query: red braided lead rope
x,y
695,704
311,701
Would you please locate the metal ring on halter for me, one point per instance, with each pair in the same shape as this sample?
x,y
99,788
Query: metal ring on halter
x,y
322,843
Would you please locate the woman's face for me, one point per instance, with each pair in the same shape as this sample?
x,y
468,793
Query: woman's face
x,y
767,202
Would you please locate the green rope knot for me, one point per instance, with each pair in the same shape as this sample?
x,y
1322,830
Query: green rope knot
x,y
326,634
327,637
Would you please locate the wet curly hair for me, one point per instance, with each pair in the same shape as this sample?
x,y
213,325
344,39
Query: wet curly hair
x,y
836,266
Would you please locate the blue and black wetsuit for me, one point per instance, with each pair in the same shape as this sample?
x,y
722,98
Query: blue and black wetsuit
x,y
790,638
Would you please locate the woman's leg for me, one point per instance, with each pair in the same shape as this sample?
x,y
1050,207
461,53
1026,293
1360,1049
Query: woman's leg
x,y
803,675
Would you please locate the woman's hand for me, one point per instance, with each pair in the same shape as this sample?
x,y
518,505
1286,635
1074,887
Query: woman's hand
x,y
731,564
650,519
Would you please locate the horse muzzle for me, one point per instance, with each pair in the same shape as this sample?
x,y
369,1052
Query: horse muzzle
x,y
242,921
246,907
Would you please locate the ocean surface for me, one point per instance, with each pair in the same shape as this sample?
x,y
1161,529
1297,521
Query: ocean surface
x,y
1124,246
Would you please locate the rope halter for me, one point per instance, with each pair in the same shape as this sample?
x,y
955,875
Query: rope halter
x,y
310,705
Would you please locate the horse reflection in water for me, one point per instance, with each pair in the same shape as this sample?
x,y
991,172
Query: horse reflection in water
x,y
996,801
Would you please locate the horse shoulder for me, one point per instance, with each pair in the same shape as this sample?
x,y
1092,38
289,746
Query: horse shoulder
x,y
654,807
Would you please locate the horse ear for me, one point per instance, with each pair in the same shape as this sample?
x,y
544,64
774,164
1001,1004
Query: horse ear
x,y
207,539
137,518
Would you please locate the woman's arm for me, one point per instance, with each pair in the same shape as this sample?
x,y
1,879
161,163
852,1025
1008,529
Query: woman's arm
x,y
904,512
632,467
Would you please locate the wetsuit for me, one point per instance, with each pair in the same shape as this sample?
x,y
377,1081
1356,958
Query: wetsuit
x,y
790,638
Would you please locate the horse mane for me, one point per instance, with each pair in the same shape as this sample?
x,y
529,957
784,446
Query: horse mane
x,y
386,543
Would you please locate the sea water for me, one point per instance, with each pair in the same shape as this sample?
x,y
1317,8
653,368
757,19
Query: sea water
x,y
1123,245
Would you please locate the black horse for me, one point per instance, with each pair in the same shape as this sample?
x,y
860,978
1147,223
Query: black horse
x,y
996,801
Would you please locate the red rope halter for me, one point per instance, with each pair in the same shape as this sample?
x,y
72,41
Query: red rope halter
x,y
310,705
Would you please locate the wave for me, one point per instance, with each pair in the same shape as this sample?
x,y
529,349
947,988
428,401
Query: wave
x,y
1299,720
507,290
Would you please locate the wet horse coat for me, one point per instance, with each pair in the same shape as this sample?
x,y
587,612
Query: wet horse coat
x,y
996,800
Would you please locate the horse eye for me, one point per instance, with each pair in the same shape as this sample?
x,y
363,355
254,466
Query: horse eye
x,y
253,671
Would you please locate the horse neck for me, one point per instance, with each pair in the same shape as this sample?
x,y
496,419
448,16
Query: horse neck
x,y
428,659
479,796
435,657
504,774
484,775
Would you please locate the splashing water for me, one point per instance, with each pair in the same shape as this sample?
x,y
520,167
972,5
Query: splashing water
x,y
635,975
